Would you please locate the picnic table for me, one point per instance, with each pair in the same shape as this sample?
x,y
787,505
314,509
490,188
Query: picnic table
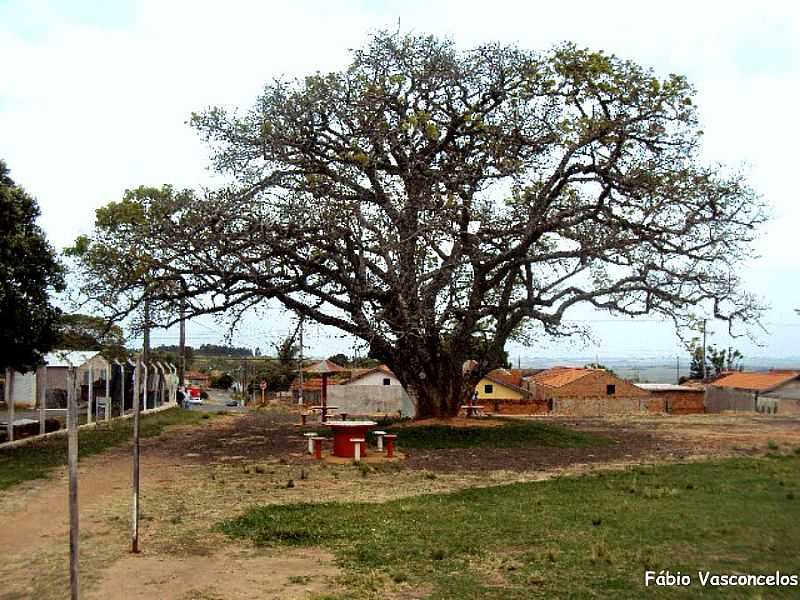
x,y
344,431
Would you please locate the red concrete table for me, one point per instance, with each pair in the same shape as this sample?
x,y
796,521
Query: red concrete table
x,y
343,431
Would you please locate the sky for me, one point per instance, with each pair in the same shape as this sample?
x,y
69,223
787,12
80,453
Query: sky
x,y
95,98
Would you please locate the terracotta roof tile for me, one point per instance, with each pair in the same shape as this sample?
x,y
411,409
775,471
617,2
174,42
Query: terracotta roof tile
x,y
560,376
756,381
506,376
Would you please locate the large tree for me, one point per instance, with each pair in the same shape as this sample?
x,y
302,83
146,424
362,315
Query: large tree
x,y
435,203
29,272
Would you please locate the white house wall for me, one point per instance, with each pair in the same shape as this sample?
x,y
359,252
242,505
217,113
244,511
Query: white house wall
x,y
371,400
375,379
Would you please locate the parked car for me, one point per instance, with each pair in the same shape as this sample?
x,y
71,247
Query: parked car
x,y
193,395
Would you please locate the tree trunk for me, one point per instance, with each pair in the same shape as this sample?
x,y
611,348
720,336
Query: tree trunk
x,y
441,398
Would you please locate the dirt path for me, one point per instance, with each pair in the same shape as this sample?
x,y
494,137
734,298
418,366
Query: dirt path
x,y
194,478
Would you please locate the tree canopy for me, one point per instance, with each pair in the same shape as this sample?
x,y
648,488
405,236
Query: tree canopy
x,y
435,203
29,272
86,332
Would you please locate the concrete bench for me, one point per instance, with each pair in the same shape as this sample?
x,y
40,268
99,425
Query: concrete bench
x,y
357,442
390,440
379,436
310,437
317,441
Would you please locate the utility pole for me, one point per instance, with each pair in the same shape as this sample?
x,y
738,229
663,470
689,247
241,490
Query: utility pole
x,y
704,350
677,368
182,344
300,396
135,507
72,462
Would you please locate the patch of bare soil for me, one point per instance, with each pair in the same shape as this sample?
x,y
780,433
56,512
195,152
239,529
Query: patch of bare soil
x,y
228,575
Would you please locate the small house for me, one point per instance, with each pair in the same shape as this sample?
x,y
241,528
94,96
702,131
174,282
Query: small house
x,y
584,391
768,392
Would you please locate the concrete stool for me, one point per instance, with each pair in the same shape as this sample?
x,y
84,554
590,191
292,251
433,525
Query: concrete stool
x,y
310,437
379,435
343,416
390,438
357,442
318,447
303,417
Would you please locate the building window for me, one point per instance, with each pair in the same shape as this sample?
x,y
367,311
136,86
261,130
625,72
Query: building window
x,y
488,388
611,389
386,381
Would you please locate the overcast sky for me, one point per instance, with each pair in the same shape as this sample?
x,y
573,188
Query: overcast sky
x,y
94,99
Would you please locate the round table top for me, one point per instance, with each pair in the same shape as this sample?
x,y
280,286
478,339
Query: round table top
x,y
350,423
327,406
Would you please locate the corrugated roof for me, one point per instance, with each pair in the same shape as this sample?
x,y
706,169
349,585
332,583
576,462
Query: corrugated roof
x,y
560,376
666,387
760,382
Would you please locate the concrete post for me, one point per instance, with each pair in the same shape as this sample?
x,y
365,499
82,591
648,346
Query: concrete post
x,y
43,401
90,395
9,405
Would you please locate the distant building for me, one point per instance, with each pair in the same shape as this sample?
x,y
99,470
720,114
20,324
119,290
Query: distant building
x,y
583,391
675,399
502,391
196,378
768,392
26,389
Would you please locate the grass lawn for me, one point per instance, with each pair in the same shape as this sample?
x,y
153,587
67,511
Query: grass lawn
x,y
36,459
586,537
512,434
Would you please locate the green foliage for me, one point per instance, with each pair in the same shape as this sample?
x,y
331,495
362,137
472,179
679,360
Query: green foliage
x,y
29,272
564,538
223,382
86,332
595,365
513,434
228,351
717,361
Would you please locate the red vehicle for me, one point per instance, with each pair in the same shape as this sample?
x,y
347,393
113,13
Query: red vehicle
x,y
193,395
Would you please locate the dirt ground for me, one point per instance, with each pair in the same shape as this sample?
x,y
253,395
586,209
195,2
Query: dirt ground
x,y
193,478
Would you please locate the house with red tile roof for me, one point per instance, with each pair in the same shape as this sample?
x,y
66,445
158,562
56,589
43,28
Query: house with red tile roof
x,y
587,391
766,392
